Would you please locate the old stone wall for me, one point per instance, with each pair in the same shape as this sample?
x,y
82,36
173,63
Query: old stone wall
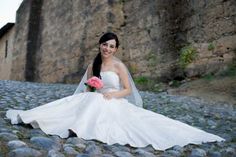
x,y
21,41
6,50
211,28
69,37
157,30
56,40
150,31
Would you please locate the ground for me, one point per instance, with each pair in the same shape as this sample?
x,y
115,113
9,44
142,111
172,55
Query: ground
x,y
23,140
220,89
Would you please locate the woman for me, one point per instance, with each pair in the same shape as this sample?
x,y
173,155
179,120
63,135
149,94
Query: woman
x,y
106,115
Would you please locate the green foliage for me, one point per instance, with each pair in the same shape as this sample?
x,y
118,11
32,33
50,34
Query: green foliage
x,y
142,80
208,77
211,46
187,55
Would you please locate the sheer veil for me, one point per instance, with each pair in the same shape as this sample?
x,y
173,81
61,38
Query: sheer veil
x,y
133,98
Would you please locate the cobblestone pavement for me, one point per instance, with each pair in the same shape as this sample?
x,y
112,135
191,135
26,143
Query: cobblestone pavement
x,y
22,140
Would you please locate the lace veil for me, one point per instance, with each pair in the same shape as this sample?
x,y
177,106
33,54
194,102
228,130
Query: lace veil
x,y
133,98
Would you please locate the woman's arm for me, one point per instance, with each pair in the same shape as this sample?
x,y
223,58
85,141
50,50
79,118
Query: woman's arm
x,y
89,72
123,74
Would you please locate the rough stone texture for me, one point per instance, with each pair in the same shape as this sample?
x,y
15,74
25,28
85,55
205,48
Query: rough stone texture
x,y
24,152
69,37
6,44
45,143
215,60
212,22
56,40
155,40
149,36
34,38
20,42
16,144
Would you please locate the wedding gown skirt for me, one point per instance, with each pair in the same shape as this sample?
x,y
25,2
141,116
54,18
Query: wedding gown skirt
x,y
91,116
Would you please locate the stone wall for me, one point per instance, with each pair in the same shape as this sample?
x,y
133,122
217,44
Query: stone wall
x,y
150,31
157,30
56,40
6,50
210,26
21,41
69,37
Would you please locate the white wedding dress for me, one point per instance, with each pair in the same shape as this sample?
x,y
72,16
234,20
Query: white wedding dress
x,y
91,116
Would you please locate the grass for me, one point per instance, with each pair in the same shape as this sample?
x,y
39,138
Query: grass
x,y
142,80
211,46
146,83
209,77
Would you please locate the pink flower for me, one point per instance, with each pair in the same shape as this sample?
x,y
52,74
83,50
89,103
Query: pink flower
x,y
94,83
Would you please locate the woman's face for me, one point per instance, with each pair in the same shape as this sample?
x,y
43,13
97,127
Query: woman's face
x,y
108,48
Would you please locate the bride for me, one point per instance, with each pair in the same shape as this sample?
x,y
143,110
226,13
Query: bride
x,y
112,114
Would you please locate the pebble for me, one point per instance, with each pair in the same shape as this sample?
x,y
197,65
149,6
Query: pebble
x,y
92,149
214,154
123,154
54,153
8,136
198,153
23,140
44,143
230,151
173,153
24,152
143,153
82,155
178,148
16,144
70,151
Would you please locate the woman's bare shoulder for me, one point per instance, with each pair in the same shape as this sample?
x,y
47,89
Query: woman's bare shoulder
x,y
120,66
89,69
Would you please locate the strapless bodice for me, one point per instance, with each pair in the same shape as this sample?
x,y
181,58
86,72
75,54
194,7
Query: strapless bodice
x,y
111,81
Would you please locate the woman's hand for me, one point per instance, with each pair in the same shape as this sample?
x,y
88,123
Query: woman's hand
x,y
108,95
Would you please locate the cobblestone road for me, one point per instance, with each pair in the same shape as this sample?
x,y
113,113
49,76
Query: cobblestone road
x,y
22,140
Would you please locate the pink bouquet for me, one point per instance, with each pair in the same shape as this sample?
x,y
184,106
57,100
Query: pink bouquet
x,y
94,83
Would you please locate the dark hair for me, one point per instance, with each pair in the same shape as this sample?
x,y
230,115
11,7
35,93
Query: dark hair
x,y
98,59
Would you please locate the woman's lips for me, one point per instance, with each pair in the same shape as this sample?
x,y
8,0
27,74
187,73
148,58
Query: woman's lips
x,y
106,52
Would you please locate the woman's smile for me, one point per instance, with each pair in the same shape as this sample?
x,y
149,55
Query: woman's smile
x,y
108,48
